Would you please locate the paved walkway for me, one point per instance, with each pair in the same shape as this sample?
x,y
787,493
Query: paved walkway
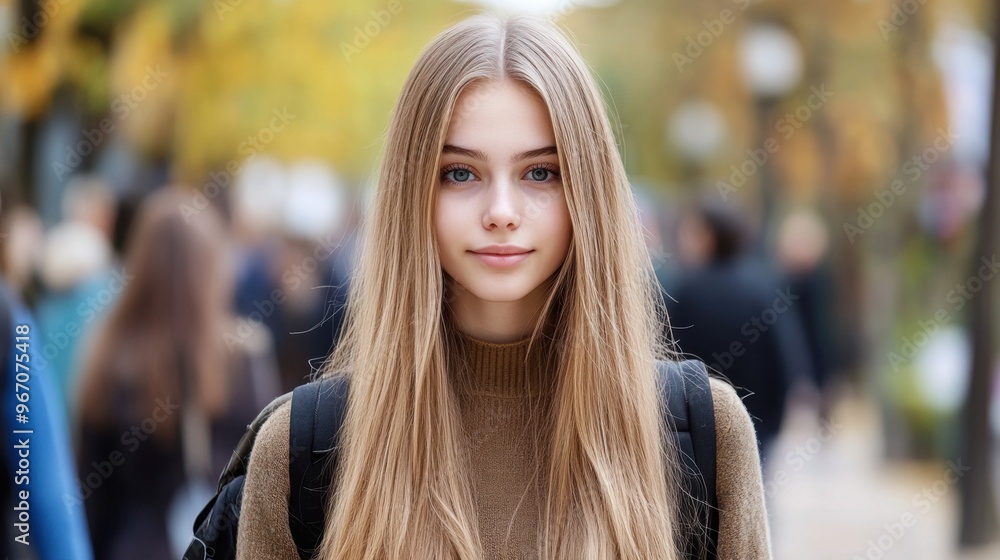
x,y
830,496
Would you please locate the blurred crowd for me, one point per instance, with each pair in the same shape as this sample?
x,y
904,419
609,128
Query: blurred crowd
x,y
164,321
760,313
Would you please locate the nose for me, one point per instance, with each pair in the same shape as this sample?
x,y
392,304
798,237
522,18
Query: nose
x,y
502,206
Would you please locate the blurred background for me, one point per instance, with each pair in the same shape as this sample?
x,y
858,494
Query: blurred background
x,y
817,181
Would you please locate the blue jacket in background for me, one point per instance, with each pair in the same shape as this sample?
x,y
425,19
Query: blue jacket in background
x,y
57,525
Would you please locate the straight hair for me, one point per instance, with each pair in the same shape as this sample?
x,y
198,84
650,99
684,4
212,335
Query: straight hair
x,y
403,487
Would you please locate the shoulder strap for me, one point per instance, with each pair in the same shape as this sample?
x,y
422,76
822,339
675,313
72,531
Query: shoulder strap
x,y
688,400
318,410
238,461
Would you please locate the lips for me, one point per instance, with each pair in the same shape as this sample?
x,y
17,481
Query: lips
x,y
502,250
502,260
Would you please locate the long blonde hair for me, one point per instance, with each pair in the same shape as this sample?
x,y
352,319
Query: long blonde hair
x,y
403,488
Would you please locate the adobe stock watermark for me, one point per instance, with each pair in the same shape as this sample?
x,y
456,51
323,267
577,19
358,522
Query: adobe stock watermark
x,y
218,181
958,296
225,7
30,28
121,107
469,103
796,459
923,502
702,41
659,255
754,329
564,8
913,169
901,12
785,127
131,440
366,33
538,204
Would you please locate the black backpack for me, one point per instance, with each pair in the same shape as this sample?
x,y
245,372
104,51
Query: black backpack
x,y
318,412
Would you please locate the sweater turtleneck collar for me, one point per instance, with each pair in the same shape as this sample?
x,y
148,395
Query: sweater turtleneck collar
x,y
500,369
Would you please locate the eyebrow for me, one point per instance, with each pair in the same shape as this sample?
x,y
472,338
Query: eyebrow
x,y
478,154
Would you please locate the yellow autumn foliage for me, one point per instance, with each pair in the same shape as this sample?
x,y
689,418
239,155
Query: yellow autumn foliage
x,y
34,57
224,68
335,67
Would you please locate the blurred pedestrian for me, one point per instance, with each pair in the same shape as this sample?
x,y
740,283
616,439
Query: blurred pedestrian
x,y
164,398
37,462
90,200
315,269
78,279
729,311
254,204
803,245
79,287
23,236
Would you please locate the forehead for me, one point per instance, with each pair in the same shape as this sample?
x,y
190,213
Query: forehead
x,y
498,116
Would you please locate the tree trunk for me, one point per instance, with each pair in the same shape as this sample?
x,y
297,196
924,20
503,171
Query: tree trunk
x,y
978,497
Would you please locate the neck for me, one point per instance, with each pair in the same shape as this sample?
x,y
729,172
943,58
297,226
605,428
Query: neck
x,y
500,369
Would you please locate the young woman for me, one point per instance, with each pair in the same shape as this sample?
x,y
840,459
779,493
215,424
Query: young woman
x,y
501,336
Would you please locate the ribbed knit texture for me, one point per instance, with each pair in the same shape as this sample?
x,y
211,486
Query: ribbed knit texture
x,y
501,370
500,400
501,412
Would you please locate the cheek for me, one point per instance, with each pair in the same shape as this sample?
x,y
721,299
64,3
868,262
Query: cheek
x,y
446,226
559,225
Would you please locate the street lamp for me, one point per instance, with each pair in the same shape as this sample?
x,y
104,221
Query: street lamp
x,y
770,59
771,64
697,130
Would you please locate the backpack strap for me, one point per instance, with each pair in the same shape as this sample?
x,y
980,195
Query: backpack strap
x,y
318,410
687,397
216,525
239,460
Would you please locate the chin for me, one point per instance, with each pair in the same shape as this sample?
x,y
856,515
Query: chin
x,y
504,295
499,291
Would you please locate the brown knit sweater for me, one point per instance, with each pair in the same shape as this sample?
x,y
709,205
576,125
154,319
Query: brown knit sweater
x,y
498,410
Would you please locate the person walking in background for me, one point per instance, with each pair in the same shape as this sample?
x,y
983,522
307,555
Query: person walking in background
x,y
728,311
294,231
23,236
79,278
254,204
803,245
40,519
164,399
315,269
76,271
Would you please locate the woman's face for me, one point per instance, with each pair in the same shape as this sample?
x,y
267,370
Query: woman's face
x,y
500,184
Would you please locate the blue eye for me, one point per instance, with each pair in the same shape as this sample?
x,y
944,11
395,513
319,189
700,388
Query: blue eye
x,y
457,175
542,174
